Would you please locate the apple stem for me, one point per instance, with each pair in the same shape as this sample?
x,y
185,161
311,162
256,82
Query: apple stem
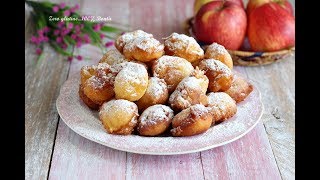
x,y
222,5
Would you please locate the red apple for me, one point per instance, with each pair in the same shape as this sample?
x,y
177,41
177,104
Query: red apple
x,y
253,4
222,22
199,3
271,28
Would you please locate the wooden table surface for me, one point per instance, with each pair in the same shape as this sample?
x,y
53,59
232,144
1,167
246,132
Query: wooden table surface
x,y
54,151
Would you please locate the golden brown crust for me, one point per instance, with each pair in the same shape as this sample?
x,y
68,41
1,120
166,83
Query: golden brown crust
x,y
120,86
116,68
156,93
87,72
119,116
143,49
219,75
131,82
104,70
123,39
172,69
97,83
240,88
113,56
218,52
221,106
196,63
99,70
98,89
86,100
183,46
191,90
191,121
155,120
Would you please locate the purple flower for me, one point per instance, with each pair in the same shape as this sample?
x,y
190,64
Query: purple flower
x,y
38,51
78,33
110,43
66,13
56,32
77,28
40,38
102,36
60,24
86,38
64,46
79,57
122,33
96,27
59,39
70,25
64,31
46,29
78,38
55,9
40,32
70,58
34,40
45,39
78,44
62,5
76,7
73,36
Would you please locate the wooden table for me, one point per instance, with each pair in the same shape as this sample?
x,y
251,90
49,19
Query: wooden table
x,y
54,151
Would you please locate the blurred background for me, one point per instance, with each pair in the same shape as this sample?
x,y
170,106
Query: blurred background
x,y
45,74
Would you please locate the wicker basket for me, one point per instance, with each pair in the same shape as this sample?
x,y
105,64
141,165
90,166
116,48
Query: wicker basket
x,y
248,58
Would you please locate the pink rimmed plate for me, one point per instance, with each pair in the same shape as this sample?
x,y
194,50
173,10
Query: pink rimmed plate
x,y
86,123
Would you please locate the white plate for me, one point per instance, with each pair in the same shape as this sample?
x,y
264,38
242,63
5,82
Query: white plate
x,y
86,123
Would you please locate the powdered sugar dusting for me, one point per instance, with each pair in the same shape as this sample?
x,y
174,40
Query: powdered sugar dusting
x,y
96,82
122,104
134,74
113,56
147,44
86,122
198,110
216,66
190,82
154,114
182,42
87,69
171,68
156,87
217,97
105,74
181,94
129,36
102,66
216,49
197,82
171,62
220,100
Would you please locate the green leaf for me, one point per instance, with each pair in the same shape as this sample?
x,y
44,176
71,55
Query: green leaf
x,y
41,6
42,20
93,35
40,58
59,49
69,40
109,29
